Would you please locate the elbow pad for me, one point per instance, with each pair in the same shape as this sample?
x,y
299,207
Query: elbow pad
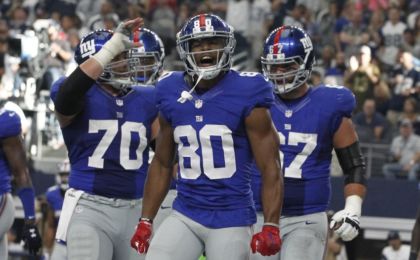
x,y
353,163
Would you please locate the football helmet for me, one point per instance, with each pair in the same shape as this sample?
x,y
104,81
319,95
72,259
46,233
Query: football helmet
x,y
146,61
118,72
291,49
62,178
208,27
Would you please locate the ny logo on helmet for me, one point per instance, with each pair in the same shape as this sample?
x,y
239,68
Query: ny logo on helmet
x,y
87,48
307,44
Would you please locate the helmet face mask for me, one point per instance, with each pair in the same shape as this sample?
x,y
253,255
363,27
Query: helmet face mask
x,y
288,58
216,35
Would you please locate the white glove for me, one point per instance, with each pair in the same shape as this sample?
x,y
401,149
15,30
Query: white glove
x,y
119,42
345,223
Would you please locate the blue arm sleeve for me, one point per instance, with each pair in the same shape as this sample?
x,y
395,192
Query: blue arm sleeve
x,y
27,196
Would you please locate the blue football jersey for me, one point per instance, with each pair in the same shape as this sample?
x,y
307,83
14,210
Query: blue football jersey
x,y
55,198
9,126
306,127
214,152
108,141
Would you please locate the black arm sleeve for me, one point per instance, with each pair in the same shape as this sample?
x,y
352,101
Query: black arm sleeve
x,y
353,163
70,96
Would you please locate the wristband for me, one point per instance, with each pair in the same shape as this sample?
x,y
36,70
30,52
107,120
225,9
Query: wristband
x,y
147,220
354,204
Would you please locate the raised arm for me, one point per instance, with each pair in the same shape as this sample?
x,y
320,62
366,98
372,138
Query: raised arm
x,y
70,97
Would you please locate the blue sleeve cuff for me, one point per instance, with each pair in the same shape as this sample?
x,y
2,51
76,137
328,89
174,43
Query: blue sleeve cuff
x,y
27,196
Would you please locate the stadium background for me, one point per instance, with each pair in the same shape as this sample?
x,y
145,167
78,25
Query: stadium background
x,y
369,46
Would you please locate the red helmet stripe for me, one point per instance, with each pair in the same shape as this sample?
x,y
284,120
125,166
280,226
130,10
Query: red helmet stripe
x,y
276,40
136,36
202,20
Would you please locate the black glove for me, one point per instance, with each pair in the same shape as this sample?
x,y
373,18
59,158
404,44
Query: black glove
x,y
31,238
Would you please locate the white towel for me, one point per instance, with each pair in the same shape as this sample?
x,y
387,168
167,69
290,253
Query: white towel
x,y
70,201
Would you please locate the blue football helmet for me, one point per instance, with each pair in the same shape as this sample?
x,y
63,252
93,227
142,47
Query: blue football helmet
x,y
147,59
201,27
118,72
289,48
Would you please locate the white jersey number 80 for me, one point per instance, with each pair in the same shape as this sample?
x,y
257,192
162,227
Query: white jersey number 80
x,y
189,151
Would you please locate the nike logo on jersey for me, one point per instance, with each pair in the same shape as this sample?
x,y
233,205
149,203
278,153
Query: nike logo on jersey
x,y
309,222
11,114
165,207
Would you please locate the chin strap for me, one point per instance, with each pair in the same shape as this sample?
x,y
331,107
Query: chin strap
x,y
186,95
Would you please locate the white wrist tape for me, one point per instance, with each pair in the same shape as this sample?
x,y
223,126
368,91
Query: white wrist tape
x,y
354,204
111,48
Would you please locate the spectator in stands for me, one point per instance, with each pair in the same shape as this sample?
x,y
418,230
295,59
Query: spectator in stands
x,y
370,125
406,83
326,21
395,250
382,95
362,75
354,34
404,149
57,58
410,113
376,22
392,34
106,13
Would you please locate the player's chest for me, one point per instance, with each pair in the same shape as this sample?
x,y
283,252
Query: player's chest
x,y
214,111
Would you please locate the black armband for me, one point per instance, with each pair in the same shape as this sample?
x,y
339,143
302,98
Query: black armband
x,y
70,96
353,163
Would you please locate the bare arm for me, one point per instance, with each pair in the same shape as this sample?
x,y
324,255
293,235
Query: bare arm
x,y
159,175
344,137
415,237
265,147
16,157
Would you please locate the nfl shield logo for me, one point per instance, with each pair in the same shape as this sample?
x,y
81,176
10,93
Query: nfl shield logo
x,y
198,103
288,113
119,102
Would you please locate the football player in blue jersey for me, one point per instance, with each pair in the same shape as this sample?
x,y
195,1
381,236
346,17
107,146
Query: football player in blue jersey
x,y
55,198
217,120
13,164
311,122
106,126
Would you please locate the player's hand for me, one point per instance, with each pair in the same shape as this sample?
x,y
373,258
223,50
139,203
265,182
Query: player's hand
x,y
345,224
31,238
141,238
267,242
123,33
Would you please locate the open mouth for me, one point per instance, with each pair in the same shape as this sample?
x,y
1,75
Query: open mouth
x,y
207,61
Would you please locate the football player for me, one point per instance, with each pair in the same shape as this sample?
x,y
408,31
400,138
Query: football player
x,y
311,122
55,198
13,164
106,126
216,119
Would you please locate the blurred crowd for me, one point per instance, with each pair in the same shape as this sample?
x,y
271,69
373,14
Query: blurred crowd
x,y
370,46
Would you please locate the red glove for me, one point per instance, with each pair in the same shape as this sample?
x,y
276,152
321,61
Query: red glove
x,y
267,242
141,238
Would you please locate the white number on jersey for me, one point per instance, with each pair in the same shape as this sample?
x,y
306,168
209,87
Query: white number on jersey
x,y
294,170
111,130
189,151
